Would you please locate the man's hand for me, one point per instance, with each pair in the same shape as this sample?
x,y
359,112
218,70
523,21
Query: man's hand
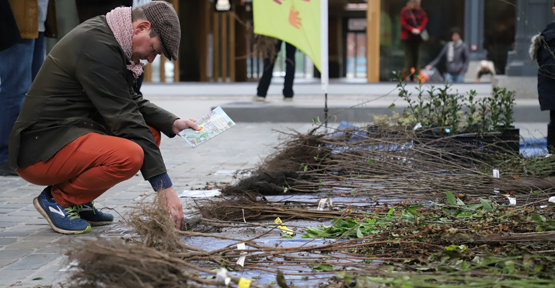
x,y
174,206
182,124
415,31
429,67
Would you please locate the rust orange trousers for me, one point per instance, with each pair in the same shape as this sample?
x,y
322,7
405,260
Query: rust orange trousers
x,y
87,167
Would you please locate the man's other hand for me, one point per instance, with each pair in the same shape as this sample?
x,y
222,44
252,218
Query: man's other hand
x,y
174,206
182,124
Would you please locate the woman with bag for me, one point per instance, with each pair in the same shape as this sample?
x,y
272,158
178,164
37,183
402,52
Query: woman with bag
x,y
413,32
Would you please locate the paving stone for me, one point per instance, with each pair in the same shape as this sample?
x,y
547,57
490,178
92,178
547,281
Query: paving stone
x,y
13,206
44,237
50,275
24,231
32,262
24,213
8,218
7,241
37,221
7,224
10,256
11,276
27,245
52,249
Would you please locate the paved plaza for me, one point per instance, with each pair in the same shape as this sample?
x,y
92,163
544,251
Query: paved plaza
x,y
29,248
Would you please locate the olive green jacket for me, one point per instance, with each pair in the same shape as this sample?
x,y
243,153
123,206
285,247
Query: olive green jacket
x,y
82,87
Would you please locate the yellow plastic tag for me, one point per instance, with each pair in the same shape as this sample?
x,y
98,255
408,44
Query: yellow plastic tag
x,y
244,283
284,228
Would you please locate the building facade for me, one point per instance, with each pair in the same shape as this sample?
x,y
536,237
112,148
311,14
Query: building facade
x,y
364,38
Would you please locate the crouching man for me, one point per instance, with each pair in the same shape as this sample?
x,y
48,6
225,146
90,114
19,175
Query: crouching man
x,y
83,129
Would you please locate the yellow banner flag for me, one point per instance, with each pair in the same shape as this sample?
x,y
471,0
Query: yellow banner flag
x,y
294,21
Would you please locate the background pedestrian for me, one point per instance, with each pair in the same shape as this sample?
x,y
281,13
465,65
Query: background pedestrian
x,y
455,56
413,22
20,62
266,79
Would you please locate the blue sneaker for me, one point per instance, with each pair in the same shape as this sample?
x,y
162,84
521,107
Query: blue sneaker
x,y
62,220
95,217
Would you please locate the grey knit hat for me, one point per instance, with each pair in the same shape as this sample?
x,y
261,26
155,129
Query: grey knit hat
x,y
165,22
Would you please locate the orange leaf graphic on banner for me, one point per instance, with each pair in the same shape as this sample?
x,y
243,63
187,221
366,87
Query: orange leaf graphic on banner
x,y
294,19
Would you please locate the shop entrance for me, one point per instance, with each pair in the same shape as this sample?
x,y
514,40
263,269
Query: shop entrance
x,y
355,50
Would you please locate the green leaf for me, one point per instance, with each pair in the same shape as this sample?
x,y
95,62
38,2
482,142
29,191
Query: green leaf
x,y
538,218
412,211
474,206
486,204
371,161
390,212
536,192
38,278
359,233
460,202
287,237
391,106
510,266
451,198
322,268
353,191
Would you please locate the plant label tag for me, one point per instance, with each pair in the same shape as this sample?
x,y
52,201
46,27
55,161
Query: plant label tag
x,y
284,228
241,260
495,175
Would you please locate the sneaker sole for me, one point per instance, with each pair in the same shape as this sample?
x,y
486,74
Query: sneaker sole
x,y
59,230
99,223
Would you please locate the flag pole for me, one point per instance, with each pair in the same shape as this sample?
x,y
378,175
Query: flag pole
x,y
324,73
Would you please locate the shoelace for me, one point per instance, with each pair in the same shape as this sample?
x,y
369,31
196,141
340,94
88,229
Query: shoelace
x,y
92,206
73,211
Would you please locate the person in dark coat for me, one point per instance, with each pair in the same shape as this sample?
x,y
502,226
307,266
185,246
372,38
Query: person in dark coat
x,y
87,9
455,55
542,51
264,82
83,129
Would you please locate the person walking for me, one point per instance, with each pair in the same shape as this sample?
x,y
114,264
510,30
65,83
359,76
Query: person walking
x,y
20,62
542,50
455,55
264,82
413,24
83,129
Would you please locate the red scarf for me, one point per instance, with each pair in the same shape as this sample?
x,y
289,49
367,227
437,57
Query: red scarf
x,y
121,25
